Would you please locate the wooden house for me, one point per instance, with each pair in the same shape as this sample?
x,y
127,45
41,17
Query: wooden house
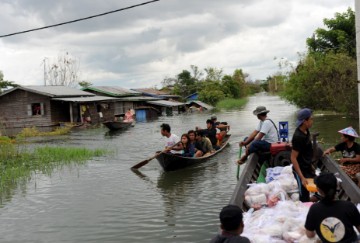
x,y
47,106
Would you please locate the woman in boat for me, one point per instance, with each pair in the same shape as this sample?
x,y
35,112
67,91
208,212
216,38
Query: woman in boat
x,y
332,220
188,150
350,151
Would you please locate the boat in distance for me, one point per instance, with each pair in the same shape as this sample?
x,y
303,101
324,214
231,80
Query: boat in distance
x,y
171,162
117,125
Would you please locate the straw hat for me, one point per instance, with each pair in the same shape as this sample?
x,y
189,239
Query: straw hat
x,y
349,131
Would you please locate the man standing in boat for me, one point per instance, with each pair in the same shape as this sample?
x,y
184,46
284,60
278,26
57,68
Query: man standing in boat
x,y
262,137
302,152
170,139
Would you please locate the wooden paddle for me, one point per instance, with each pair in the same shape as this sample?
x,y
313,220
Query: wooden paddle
x,y
144,162
238,168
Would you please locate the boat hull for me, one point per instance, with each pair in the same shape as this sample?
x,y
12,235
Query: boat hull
x,y
171,162
116,125
348,190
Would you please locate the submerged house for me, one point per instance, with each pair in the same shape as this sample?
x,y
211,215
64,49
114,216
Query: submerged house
x,y
128,99
47,106
166,104
197,105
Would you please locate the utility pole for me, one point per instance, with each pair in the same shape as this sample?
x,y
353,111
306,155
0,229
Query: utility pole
x,y
44,61
357,30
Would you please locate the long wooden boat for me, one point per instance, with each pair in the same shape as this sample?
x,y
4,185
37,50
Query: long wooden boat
x,y
170,162
348,189
117,125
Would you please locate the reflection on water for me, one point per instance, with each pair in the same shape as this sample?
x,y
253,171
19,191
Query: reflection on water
x,y
103,201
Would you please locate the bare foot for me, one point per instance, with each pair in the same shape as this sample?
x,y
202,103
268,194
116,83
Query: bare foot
x,y
242,160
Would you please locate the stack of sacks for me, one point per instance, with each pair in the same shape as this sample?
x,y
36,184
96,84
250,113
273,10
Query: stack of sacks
x,y
268,194
279,224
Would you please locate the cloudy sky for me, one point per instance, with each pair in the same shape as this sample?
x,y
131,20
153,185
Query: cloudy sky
x,y
141,46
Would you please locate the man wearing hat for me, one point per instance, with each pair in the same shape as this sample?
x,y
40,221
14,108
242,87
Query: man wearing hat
x,y
222,126
332,220
302,152
350,151
262,137
232,226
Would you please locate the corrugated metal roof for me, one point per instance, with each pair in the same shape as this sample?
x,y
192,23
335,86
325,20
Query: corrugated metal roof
x,y
112,90
166,103
139,98
86,99
200,103
152,91
51,91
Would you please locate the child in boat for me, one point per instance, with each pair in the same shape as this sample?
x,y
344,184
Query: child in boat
x,y
232,226
350,150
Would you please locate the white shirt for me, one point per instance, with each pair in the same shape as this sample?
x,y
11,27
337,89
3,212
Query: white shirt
x,y
171,141
268,129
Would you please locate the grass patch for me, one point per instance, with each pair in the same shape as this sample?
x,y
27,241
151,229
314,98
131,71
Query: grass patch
x,y
17,164
33,132
230,103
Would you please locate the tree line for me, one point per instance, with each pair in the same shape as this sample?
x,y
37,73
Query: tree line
x,y
325,77
211,84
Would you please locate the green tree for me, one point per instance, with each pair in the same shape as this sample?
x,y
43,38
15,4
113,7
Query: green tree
x,y
85,84
230,87
239,78
339,36
324,82
276,83
211,92
4,84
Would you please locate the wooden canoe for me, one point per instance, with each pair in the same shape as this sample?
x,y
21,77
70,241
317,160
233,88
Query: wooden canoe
x,y
170,162
117,125
348,190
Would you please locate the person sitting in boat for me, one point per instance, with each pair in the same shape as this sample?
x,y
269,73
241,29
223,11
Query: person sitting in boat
x,y
261,138
192,144
222,126
203,143
332,220
210,132
129,116
187,149
350,150
232,225
170,139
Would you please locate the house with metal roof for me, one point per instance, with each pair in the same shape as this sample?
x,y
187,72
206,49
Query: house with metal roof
x,y
128,99
112,91
47,106
157,94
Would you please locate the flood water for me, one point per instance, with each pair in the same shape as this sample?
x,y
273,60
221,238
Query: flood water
x,y
104,201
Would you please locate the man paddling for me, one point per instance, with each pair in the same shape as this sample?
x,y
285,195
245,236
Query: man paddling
x,y
170,139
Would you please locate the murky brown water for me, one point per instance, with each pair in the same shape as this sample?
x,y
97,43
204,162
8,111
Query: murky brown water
x,y
104,201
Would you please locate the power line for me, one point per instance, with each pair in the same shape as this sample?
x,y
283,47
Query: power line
x,y
81,19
